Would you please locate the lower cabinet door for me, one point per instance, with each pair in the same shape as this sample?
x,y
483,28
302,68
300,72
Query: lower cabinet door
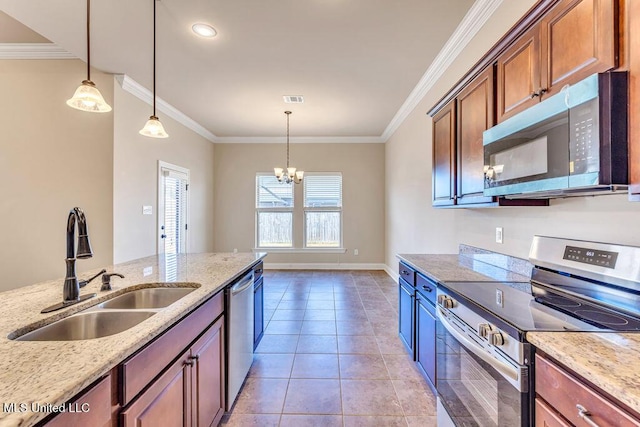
x,y
208,376
406,314
547,417
426,338
258,312
166,402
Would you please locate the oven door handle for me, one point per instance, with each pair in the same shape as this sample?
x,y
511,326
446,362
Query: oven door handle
x,y
509,372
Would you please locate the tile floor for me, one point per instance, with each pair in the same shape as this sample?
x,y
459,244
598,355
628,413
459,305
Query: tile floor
x,y
331,356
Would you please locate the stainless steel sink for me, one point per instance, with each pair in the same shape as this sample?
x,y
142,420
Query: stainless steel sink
x,y
148,298
88,325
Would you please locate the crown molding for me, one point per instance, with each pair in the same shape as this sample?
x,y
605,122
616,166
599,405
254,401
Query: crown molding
x,y
34,51
145,95
299,140
476,17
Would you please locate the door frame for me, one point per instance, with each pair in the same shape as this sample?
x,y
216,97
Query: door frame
x,y
162,166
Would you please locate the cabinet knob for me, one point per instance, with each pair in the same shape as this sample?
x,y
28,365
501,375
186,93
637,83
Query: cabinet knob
x,y
404,272
196,357
188,363
539,92
426,288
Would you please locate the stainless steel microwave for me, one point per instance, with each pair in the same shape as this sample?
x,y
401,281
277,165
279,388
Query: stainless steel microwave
x,y
573,143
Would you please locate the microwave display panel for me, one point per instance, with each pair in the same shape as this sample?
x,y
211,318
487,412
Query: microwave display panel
x,y
521,161
584,147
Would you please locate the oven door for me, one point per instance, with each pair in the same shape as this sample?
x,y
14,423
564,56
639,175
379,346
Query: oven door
x,y
477,386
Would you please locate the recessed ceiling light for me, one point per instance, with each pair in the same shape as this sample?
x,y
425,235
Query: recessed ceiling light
x,y
204,30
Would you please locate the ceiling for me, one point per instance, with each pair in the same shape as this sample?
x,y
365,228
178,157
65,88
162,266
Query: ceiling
x,y
354,61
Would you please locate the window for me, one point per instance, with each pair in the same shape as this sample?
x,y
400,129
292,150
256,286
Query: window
x,y
323,210
274,212
173,185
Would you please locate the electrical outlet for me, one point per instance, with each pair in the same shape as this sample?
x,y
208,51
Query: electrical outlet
x,y
235,250
499,235
355,252
147,210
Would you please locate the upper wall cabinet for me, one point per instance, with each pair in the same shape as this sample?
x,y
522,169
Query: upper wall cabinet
x,y
474,110
518,70
575,39
444,168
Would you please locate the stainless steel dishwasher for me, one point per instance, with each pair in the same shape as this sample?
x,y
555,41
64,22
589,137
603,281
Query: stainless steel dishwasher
x,y
240,333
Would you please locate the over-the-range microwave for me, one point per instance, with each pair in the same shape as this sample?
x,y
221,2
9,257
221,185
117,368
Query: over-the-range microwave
x,y
573,143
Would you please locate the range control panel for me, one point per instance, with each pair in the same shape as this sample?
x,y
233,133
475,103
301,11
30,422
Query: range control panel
x,y
591,256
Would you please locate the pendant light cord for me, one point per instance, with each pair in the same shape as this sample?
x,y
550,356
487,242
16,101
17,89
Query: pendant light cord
x,y
88,40
288,113
154,58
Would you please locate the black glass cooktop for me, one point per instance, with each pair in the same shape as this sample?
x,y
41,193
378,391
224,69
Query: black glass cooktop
x,y
542,310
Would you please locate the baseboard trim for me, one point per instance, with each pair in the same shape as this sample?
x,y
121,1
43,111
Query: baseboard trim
x,y
324,266
392,273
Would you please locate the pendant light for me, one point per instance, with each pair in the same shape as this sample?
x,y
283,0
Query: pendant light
x,y
87,97
153,128
291,175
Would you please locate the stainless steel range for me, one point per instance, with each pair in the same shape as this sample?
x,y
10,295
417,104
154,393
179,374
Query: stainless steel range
x,y
484,363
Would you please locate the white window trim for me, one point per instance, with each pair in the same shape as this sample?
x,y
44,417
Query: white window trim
x,y
305,209
274,209
162,166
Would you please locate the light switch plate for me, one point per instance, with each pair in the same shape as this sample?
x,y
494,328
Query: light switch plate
x,y
147,210
499,235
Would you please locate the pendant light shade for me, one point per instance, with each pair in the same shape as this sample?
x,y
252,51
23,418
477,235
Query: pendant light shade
x,y
153,128
87,97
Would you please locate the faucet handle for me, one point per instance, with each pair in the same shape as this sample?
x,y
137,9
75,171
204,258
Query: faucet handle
x,y
106,280
84,283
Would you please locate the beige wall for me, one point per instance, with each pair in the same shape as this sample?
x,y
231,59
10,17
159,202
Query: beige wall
x,y
413,226
362,167
52,158
136,179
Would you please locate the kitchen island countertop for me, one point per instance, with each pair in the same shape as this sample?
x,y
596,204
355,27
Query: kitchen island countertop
x,y
609,360
52,372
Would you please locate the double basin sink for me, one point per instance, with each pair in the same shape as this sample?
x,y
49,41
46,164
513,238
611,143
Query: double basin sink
x,y
109,317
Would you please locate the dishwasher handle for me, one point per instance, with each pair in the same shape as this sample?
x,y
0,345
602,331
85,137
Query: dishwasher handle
x,y
243,284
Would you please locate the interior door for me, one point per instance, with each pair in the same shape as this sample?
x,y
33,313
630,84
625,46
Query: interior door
x,y
173,202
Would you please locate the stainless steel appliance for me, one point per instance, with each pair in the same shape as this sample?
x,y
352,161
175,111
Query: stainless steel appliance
x,y
485,365
573,143
240,335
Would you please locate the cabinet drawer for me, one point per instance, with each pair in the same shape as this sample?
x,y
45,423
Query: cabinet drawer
x,y
144,366
564,392
93,408
547,417
407,273
257,271
426,287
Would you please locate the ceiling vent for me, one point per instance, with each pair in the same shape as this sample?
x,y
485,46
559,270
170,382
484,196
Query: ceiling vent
x,y
293,99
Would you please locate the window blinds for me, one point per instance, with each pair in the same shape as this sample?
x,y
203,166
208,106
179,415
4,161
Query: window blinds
x,y
270,193
323,191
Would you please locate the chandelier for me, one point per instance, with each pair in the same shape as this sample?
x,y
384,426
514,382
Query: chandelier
x,y
291,175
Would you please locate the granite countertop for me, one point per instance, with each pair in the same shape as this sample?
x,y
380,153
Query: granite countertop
x,y
608,360
52,372
472,267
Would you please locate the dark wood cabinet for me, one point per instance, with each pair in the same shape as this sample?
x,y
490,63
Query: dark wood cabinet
x,y
579,38
444,168
96,406
166,402
426,337
634,98
518,75
474,112
207,376
575,39
563,398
